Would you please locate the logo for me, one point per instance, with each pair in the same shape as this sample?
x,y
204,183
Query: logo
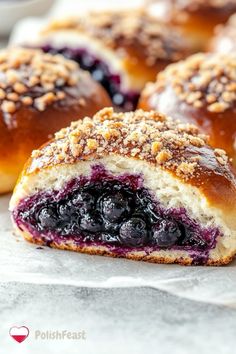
x,y
19,334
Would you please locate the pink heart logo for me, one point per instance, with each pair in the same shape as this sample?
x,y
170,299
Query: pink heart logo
x,y
19,334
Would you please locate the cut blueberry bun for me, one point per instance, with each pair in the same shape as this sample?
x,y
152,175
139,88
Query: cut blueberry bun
x,y
136,185
122,50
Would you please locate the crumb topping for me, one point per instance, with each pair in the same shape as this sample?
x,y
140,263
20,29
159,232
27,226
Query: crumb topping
x,y
202,80
31,78
129,28
147,136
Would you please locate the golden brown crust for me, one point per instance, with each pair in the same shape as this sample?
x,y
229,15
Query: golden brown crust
x,y
196,18
146,136
202,80
133,31
29,125
33,79
182,12
104,251
200,90
224,40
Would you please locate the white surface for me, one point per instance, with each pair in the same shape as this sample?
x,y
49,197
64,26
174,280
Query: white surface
x,y
116,321
23,262
13,11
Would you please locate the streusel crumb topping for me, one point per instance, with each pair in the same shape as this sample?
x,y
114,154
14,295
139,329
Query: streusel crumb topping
x,y
31,78
143,135
121,29
202,80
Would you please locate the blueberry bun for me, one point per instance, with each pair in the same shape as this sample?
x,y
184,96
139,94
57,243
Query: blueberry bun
x,y
224,40
196,19
39,94
199,90
122,50
136,185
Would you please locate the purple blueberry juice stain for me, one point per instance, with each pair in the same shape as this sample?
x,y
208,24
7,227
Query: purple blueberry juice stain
x,y
115,211
101,73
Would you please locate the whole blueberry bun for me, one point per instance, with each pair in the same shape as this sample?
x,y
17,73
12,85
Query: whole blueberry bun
x,y
196,19
121,49
199,90
39,94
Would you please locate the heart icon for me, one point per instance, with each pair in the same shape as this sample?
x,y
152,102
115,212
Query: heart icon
x,y
19,333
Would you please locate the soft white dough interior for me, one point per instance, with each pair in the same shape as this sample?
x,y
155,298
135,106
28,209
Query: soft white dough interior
x,y
73,39
170,191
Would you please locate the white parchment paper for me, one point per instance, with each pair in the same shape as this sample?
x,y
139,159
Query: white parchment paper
x,y
23,262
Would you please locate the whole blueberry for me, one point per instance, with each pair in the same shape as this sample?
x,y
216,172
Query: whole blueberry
x,y
118,99
87,61
66,210
98,75
145,204
47,218
91,222
84,201
115,207
166,233
133,232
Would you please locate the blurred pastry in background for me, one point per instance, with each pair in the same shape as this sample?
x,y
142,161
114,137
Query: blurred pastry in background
x,y
196,18
199,90
122,50
39,93
224,40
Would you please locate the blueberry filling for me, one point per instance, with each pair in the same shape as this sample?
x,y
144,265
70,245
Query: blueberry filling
x,y
166,233
101,73
133,232
117,211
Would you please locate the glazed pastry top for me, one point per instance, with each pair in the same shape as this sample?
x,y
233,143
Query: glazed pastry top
x,y
148,136
131,31
30,78
202,81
